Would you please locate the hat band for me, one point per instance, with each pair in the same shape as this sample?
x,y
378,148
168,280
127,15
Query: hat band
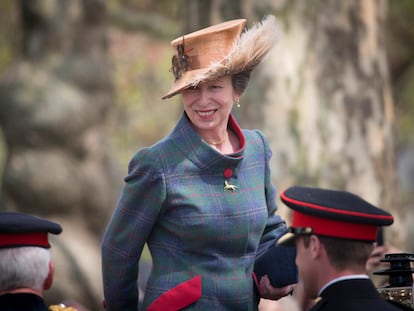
x,y
24,239
335,228
199,62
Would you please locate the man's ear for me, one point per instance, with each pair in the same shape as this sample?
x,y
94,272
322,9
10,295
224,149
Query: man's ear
x,y
49,280
315,246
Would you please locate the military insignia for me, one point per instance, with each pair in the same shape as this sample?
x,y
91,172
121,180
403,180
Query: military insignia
x,y
228,186
61,307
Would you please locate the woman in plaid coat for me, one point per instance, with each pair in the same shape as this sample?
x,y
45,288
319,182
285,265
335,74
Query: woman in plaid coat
x,y
202,197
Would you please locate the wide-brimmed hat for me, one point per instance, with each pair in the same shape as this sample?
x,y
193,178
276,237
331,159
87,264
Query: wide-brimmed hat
x,y
220,50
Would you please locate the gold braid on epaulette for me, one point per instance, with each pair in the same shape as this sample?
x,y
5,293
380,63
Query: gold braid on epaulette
x,y
61,307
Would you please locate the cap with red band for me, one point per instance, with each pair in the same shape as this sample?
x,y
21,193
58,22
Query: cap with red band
x,y
19,229
332,213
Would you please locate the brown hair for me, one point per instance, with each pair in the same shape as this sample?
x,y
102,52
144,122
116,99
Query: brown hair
x,y
344,253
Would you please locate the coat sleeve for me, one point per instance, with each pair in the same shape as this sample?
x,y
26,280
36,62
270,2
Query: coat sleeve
x,y
276,226
137,210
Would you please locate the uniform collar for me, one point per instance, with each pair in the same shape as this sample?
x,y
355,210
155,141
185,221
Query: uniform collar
x,y
343,278
22,301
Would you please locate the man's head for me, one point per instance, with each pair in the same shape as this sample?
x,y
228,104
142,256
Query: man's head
x,y
334,233
25,259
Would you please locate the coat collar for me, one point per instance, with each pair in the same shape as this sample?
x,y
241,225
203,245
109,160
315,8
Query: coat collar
x,y
198,151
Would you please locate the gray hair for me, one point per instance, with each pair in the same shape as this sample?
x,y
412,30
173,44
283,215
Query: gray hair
x,y
24,267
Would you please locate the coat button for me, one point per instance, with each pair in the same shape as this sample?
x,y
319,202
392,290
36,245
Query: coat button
x,y
228,172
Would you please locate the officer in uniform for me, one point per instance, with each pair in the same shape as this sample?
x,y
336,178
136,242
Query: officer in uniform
x,y
26,267
334,232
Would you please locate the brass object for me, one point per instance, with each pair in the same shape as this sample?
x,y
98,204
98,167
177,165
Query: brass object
x,y
400,284
61,307
402,295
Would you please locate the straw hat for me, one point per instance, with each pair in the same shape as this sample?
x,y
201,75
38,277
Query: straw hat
x,y
220,50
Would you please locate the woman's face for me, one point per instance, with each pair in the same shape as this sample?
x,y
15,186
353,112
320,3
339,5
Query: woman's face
x,y
209,104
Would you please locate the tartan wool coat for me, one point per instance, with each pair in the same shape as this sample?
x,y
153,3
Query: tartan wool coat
x,y
203,238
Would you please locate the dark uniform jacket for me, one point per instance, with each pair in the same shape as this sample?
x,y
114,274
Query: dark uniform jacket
x,y
352,295
22,302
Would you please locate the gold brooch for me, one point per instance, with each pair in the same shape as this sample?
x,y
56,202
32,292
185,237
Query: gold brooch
x,y
228,186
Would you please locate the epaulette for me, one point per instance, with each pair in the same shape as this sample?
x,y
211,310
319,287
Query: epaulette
x,y
61,307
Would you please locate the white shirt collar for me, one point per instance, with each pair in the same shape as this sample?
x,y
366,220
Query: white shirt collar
x,y
342,278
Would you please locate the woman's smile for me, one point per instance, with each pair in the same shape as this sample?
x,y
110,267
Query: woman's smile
x,y
205,114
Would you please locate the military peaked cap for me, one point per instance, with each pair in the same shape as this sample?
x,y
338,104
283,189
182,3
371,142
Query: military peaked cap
x,y
332,213
19,229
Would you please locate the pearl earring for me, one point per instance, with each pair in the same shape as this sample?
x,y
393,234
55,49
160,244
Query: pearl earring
x,y
237,104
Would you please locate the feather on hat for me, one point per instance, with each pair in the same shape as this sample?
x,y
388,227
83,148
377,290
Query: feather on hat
x,y
220,50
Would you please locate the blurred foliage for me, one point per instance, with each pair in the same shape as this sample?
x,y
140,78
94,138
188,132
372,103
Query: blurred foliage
x,y
9,40
400,43
155,18
9,32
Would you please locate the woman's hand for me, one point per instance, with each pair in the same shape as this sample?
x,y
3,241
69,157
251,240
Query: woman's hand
x,y
267,291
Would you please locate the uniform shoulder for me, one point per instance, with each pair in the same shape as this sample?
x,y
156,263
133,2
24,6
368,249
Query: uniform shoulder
x,y
61,307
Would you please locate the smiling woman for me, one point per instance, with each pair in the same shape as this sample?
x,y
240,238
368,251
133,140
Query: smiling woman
x,y
202,198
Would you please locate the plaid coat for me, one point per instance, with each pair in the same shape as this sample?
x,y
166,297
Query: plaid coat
x,y
203,239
